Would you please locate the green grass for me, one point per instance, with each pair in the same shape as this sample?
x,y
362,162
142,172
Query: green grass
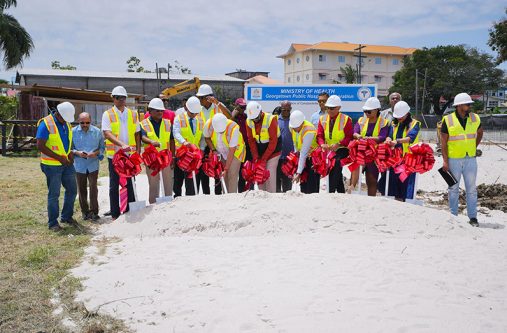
x,y
35,262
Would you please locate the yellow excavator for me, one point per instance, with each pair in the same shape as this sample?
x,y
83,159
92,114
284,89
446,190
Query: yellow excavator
x,y
181,88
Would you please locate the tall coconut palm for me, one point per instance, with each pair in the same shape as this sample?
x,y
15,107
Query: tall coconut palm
x,y
15,43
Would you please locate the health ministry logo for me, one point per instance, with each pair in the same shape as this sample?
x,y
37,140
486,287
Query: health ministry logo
x,y
256,93
363,93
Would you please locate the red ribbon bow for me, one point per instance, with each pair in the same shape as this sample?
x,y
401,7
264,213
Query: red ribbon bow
x,y
156,160
290,167
255,172
126,167
189,158
361,152
212,166
323,161
387,157
420,159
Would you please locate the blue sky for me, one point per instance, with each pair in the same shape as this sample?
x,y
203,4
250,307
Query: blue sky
x,y
216,38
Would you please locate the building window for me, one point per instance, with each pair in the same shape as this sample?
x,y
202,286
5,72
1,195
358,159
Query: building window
x,y
378,61
341,58
288,62
322,58
308,76
288,79
307,58
492,103
378,78
396,62
322,76
297,60
298,78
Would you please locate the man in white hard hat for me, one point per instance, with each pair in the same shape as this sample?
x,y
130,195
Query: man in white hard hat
x,y
284,183
210,107
387,114
156,131
187,129
461,133
304,136
264,141
121,129
223,137
88,149
334,134
54,141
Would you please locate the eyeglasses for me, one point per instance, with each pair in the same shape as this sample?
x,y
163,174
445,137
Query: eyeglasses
x,y
395,98
321,101
120,98
85,123
156,110
367,111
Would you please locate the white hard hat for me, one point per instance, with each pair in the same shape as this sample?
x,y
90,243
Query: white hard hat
x,y
157,104
219,122
67,111
372,103
462,98
401,109
253,109
119,91
296,119
333,101
204,90
193,105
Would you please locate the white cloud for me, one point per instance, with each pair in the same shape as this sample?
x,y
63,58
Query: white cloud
x,y
220,36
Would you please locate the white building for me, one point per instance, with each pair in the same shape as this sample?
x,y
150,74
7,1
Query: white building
x,y
320,63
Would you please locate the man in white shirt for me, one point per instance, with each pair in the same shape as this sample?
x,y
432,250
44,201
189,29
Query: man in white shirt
x,y
121,129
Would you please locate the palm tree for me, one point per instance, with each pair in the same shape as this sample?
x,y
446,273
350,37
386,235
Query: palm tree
x,y
349,73
15,43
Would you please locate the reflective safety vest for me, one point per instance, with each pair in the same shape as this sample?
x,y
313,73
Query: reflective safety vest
x,y
54,142
405,132
338,133
186,130
262,138
164,134
230,130
133,119
462,141
297,138
212,112
363,123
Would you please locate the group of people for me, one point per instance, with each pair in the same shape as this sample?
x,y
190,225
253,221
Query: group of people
x,y
70,156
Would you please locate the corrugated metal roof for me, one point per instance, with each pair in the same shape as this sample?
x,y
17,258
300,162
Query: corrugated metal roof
x,y
122,75
349,47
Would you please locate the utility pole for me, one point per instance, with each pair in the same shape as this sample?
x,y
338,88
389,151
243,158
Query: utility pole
x,y
424,91
360,57
416,91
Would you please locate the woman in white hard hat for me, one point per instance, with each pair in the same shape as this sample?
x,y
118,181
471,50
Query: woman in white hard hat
x,y
223,137
370,126
403,133
304,137
264,141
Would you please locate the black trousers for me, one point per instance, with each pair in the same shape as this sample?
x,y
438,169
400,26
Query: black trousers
x,y
241,180
312,185
114,191
283,183
202,180
336,175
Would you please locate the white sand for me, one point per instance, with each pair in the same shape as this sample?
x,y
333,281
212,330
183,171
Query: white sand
x,y
295,263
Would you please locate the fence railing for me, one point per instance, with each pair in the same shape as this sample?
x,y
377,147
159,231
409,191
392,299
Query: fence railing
x,y
16,134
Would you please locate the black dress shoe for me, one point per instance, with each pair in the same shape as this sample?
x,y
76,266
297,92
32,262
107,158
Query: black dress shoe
x,y
86,216
94,217
70,221
55,228
108,213
473,222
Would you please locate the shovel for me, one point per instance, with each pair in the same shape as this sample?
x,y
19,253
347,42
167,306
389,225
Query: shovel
x,y
165,198
136,205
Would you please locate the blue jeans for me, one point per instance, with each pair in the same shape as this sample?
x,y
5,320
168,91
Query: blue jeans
x,y
56,176
466,167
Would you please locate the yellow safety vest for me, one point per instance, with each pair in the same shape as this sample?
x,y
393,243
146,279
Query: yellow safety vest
x,y
231,127
363,123
214,110
186,131
405,132
54,142
462,141
338,133
263,136
164,133
133,119
297,138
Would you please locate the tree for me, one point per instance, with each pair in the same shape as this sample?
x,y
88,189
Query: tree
x,y
180,68
8,107
134,65
15,42
56,65
451,69
349,73
498,39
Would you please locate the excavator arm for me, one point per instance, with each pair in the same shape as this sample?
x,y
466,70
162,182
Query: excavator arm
x,y
181,88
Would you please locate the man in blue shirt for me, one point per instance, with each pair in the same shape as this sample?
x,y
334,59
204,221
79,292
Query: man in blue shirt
x,y
54,136
284,183
88,149
322,99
